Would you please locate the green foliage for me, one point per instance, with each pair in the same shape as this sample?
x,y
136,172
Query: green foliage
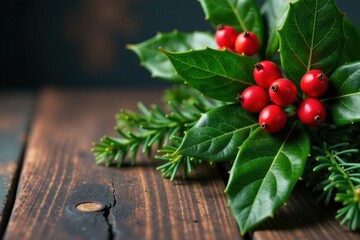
x,y
140,131
312,37
345,104
195,129
334,169
352,47
274,12
218,134
174,161
243,15
157,63
265,172
221,75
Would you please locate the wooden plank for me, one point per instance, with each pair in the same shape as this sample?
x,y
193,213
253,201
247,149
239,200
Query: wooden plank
x,y
15,113
303,218
59,173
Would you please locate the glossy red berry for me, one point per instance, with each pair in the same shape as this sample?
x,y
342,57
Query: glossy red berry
x,y
225,36
254,99
283,92
314,83
312,112
247,43
272,119
265,73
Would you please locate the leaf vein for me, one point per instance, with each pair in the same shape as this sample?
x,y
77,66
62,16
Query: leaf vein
x,y
272,164
209,71
295,54
211,138
236,13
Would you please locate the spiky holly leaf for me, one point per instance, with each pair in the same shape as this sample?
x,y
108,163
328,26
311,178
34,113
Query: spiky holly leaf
x,y
218,134
352,47
274,12
158,64
345,104
243,15
312,37
265,172
219,74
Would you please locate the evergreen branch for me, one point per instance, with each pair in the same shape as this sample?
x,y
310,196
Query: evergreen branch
x,y
175,161
141,131
336,171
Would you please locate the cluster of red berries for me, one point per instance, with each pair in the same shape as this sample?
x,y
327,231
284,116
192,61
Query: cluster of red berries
x,y
273,92
244,43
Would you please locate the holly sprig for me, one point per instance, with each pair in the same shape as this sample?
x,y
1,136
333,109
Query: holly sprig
x,y
173,161
301,35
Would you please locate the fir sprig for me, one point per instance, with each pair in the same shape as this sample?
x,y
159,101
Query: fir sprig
x,y
336,172
152,127
173,162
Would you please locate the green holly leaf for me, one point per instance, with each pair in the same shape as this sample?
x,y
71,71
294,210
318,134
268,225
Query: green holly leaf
x,y
243,15
274,12
265,172
219,74
345,105
158,64
312,37
218,134
352,46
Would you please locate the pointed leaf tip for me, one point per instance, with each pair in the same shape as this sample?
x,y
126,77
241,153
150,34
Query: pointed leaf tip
x,y
156,62
129,46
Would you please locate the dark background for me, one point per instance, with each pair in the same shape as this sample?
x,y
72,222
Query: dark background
x,y
82,42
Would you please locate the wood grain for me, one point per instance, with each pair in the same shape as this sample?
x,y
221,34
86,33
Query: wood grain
x,y
303,218
15,114
59,173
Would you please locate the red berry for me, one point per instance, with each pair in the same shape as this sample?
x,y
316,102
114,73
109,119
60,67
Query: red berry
x,y
225,36
247,43
272,119
314,83
265,73
254,99
283,92
312,112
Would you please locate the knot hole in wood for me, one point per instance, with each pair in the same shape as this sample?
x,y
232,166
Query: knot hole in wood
x,y
90,206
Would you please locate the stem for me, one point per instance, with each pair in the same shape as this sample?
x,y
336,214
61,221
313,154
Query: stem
x,y
339,168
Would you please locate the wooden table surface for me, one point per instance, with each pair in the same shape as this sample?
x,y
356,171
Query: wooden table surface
x,y
47,173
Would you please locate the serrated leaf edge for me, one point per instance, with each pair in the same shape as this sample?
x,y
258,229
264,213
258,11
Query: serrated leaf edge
x,y
169,55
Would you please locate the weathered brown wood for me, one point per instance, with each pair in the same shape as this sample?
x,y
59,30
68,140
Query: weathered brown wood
x,y
134,202
15,114
303,218
129,203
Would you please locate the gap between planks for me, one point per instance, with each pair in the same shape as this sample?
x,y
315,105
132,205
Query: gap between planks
x,y
16,109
